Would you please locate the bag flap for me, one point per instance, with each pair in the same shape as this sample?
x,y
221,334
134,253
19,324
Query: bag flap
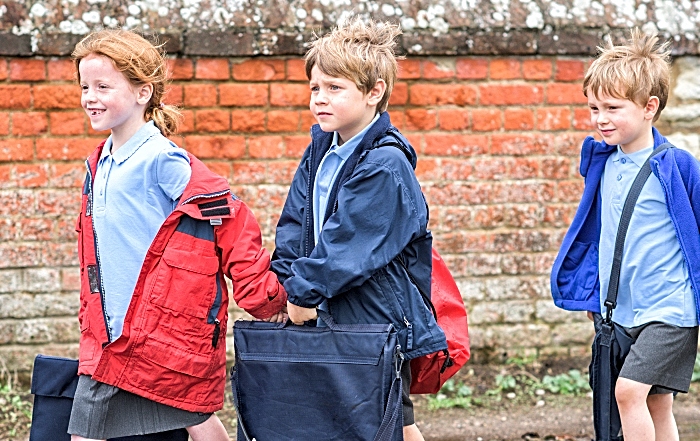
x,y
54,376
355,344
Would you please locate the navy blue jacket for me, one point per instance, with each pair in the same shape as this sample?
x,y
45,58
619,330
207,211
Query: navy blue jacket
x,y
574,279
373,243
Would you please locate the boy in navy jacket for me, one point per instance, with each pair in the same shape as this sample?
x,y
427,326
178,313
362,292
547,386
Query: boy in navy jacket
x,y
352,238
627,87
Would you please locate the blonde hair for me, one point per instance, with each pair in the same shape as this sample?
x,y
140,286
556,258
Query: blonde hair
x,y
141,63
635,71
361,52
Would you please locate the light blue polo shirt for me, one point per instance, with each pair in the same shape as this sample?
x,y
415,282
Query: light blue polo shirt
x,y
654,283
134,191
328,172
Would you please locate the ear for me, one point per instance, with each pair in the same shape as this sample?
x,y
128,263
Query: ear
x,y
651,108
144,93
376,94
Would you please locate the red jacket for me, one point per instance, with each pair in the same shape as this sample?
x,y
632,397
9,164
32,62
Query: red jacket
x,y
173,346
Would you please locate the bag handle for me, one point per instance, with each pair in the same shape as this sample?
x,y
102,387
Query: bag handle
x,y
392,412
625,217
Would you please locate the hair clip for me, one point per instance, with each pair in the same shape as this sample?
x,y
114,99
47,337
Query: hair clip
x,y
161,105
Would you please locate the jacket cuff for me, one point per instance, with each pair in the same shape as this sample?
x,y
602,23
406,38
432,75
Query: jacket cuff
x,y
273,306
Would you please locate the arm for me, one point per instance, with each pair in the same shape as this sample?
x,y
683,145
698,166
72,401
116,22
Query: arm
x,y
379,214
288,235
247,264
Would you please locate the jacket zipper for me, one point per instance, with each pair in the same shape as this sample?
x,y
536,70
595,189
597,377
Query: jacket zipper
x,y
206,196
214,311
88,212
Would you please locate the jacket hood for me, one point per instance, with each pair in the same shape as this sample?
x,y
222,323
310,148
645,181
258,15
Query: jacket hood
x,y
203,182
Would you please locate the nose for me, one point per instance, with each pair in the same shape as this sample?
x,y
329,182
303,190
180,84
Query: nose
x,y
319,97
602,117
88,95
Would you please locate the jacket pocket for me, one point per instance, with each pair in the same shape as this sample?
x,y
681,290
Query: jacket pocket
x,y
88,342
186,282
176,358
579,271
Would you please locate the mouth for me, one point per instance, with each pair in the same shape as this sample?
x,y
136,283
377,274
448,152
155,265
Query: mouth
x,y
606,132
95,112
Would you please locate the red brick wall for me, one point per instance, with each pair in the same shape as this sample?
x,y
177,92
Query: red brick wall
x,y
498,142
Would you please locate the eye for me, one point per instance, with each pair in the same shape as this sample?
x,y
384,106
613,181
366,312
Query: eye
x,y
83,87
334,87
593,108
314,88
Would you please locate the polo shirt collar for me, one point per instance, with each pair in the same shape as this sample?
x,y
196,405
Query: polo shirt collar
x,y
345,150
637,157
132,145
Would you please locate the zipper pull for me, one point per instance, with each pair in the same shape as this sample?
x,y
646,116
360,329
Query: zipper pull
x,y
217,331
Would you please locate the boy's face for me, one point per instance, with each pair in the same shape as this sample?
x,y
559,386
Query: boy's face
x,y
622,121
339,106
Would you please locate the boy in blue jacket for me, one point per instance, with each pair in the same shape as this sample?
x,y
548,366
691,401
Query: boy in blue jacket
x,y
352,238
627,87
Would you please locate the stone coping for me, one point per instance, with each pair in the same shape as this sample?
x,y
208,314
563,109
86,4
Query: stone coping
x,y
280,27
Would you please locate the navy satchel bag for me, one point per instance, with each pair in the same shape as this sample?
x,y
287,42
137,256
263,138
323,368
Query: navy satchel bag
x,y
340,382
54,380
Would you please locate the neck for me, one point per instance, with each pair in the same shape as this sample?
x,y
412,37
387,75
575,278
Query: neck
x,y
122,134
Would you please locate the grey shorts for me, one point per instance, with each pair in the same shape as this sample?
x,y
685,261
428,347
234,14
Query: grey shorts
x,y
101,411
663,355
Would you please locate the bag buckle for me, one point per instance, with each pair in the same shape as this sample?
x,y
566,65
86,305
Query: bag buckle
x,y
398,361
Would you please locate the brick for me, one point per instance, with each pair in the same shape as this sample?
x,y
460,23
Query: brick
x,y
295,146
269,147
65,149
582,119
569,70
436,71
243,95
67,175
569,191
70,279
249,172
559,216
27,69
296,70
515,145
29,123
409,69
212,120
3,69
259,70
308,120
537,69
556,168
6,178
441,94
56,97
455,145
220,168
180,69
173,95
289,94
15,201
453,119
420,119
4,123
61,69
16,150
67,123
458,193
187,125
212,69
218,147
281,172
15,96
510,94
456,169
553,118
248,121
504,69
565,93
524,168
31,175
399,96
200,95
283,121
472,68
428,169
486,120
398,119
519,119
490,168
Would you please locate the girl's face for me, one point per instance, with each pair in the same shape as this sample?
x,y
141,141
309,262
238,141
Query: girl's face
x,y
110,100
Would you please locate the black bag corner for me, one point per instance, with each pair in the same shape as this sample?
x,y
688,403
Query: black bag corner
x,y
54,380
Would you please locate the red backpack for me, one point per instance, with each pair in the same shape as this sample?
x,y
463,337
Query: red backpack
x,y
429,372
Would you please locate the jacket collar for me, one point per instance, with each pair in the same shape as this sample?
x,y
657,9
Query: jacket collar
x,y
593,149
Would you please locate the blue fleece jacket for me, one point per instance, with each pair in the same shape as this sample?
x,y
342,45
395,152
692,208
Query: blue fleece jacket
x,y
574,279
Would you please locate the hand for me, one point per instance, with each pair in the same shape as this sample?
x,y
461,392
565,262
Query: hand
x,y
280,317
590,315
298,314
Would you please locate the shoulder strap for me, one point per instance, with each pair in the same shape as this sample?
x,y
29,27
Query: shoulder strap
x,y
625,217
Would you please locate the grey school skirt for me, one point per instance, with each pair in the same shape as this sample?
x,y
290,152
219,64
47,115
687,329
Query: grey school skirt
x,y
101,411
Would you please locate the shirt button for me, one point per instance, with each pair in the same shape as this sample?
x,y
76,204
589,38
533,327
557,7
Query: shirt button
x,y
619,177
623,160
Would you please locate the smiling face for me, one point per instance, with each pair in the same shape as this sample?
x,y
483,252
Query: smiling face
x,y
110,100
623,121
339,106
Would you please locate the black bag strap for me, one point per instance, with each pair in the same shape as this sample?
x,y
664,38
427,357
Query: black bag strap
x,y
392,412
625,217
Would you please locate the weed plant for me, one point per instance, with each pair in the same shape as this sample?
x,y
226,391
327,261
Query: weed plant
x,y
15,406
